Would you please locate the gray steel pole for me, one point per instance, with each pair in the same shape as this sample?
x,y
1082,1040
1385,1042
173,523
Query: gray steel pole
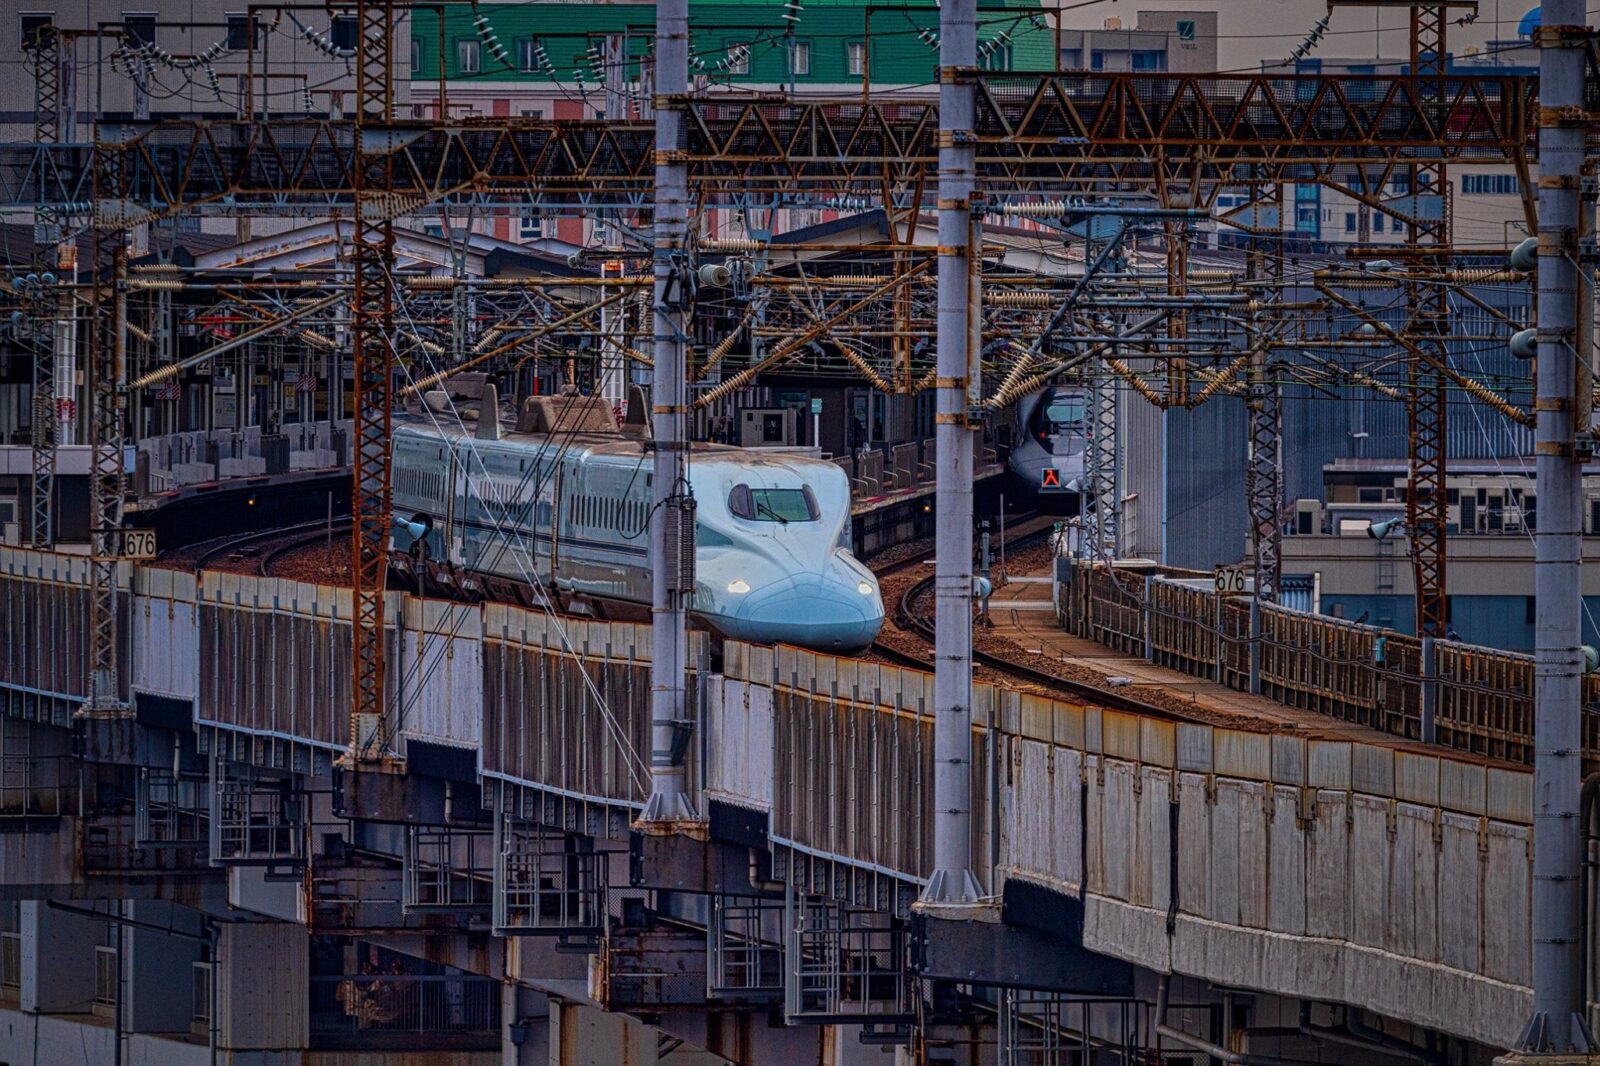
x,y
1557,1023
957,384
673,516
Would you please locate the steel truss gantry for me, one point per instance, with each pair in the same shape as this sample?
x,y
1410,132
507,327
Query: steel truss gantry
x,y
372,311
1263,399
46,59
1049,134
1428,312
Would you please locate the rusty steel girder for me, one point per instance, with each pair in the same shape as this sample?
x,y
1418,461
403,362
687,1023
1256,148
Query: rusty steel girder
x,y
372,312
1034,133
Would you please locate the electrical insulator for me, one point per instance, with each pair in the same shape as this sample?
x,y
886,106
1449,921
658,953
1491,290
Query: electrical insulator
x,y
1525,256
715,276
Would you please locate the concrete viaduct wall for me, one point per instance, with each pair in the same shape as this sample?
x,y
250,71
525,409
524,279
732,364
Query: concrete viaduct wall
x,y
1385,877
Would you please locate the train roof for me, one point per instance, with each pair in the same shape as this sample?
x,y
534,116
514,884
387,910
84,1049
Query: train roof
x,y
618,444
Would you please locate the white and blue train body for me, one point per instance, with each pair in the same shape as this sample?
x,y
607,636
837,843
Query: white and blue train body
x,y
1050,437
571,513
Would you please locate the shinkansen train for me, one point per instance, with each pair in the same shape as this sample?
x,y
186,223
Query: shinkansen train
x,y
571,512
1048,454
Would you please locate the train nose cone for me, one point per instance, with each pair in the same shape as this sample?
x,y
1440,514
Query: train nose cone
x,y
811,612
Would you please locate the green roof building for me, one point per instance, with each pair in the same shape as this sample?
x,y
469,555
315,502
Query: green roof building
x,y
810,44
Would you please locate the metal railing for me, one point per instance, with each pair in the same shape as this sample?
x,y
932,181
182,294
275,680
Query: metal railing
x,y
1482,698
415,1010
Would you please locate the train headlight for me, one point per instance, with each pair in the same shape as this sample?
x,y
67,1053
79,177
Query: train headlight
x,y
864,587
738,586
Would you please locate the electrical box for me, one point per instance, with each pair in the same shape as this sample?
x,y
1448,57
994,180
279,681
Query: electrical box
x,y
766,427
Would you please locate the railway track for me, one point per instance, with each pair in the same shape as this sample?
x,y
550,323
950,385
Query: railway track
x,y
260,545
910,619
1023,528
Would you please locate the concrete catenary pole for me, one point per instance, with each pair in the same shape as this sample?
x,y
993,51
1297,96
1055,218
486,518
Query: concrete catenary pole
x,y
672,520
957,384
1558,945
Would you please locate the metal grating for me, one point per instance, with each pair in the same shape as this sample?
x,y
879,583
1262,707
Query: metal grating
x,y
844,964
546,882
171,811
257,818
744,937
448,869
32,784
1055,1029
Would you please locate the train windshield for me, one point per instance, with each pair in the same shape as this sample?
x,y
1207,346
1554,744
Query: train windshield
x,y
774,505
1064,408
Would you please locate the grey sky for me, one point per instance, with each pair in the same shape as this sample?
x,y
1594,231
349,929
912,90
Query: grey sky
x,y
1252,30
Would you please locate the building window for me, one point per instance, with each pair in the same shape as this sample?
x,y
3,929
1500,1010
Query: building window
x,y
1399,228
1349,221
1377,223
140,27
856,57
738,57
800,58
467,55
416,56
1097,61
31,25
1152,59
240,39
1489,184
530,226
342,34
528,54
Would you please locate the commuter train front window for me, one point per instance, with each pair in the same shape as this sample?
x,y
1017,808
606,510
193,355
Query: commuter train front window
x,y
774,505
1065,409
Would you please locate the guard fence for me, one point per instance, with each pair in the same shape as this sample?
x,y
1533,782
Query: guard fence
x,y
1459,695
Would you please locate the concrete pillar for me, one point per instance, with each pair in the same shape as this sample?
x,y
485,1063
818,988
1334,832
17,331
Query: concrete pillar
x,y
158,971
584,1036
752,1037
525,1015
262,974
57,959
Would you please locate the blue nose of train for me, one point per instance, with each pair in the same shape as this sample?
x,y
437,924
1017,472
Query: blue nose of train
x,y
806,610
